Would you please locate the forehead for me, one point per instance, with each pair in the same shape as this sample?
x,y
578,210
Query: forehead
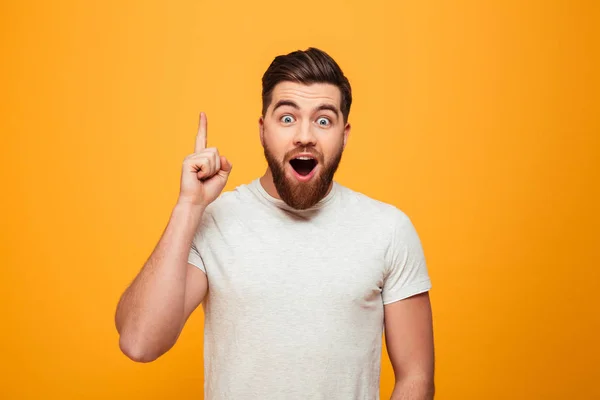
x,y
307,95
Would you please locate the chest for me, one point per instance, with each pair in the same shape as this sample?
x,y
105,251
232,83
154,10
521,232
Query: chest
x,y
326,266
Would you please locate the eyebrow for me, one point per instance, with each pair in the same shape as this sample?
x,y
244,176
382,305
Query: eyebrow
x,y
290,103
282,103
329,107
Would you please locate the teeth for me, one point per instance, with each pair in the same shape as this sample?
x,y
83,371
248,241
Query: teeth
x,y
304,158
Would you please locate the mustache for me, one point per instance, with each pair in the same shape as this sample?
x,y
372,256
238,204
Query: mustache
x,y
299,150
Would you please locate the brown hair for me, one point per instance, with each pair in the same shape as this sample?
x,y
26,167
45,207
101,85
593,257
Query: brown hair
x,y
306,67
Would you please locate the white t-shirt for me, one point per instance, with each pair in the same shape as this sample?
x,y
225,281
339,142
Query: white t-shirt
x,y
294,308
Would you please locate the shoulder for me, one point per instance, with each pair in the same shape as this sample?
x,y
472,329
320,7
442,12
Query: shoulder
x,y
384,221
228,203
384,214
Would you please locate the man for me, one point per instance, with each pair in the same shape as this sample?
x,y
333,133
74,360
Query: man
x,y
303,272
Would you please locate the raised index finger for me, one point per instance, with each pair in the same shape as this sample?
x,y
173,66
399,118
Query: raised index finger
x,y
201,136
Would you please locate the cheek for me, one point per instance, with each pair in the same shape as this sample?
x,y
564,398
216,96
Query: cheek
x,y
332,147
274,149
276,141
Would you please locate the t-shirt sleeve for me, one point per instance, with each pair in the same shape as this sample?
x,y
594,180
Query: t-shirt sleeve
x,y
406,273
194,256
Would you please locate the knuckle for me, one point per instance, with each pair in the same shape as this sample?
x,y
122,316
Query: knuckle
x,y
209,166
193,157
214,151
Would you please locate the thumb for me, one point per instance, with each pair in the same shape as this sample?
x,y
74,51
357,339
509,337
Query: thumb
x,y
225,166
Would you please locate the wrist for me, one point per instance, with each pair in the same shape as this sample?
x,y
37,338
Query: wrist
x,y
189,207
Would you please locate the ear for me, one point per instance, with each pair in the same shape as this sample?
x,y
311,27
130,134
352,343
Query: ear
x,y
346,133
261,130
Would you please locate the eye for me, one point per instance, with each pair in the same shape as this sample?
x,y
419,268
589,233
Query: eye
x,y
323,121
287,119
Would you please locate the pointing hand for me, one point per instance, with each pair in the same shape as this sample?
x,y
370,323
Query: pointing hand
x,y
204,173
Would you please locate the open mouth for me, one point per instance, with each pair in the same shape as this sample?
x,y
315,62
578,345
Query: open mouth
x,y
303,165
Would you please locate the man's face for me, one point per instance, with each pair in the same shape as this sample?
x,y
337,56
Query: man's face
x,y
303,135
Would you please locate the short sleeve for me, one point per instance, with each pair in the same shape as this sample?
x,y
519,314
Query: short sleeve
x,y
194,256
406,273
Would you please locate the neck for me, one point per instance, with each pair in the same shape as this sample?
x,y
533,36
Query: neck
x,y
267,183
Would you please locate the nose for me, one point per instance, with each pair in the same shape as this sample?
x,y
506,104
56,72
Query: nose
x,y
304,136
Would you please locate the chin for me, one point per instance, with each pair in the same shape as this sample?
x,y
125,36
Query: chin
x,y
302,190
302,194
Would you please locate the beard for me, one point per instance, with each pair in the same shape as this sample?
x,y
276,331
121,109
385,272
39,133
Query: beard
x,y
302,195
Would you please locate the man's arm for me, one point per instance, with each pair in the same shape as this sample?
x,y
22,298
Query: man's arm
x,y
154,308
409,342
152,311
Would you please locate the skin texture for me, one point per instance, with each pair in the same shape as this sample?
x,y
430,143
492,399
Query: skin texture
x,y
409,342
153,310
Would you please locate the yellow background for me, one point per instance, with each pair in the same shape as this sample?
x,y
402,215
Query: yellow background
x,y
479,119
